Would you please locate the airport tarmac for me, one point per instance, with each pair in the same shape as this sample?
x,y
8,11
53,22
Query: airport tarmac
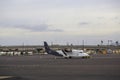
x,y
46,67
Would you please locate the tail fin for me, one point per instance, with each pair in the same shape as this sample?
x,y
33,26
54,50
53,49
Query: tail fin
x,y
46,46
50,51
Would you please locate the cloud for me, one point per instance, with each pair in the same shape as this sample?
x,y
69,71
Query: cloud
x,y
84,23
99,18
50,19
41,27
116,19
31,27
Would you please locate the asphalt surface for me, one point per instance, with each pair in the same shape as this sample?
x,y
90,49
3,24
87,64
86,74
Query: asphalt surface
x,y
46,67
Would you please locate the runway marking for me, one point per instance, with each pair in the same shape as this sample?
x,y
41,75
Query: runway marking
x,y
20,65
4,77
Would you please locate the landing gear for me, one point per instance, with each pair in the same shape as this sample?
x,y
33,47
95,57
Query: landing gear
x,y
70,57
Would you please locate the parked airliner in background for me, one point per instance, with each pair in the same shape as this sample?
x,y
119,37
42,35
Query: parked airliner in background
x,y
66,54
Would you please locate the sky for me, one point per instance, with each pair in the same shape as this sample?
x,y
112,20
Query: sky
x,y
59,21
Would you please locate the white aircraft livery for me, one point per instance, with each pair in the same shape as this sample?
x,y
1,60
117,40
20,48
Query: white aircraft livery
x,y
66,54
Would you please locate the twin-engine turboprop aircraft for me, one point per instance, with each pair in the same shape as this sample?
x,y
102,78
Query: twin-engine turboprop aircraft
x,y
66,54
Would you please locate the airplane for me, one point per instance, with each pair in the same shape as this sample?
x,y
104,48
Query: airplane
x,y
66,54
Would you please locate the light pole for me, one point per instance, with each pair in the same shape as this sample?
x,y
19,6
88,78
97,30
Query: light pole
x,y
83,44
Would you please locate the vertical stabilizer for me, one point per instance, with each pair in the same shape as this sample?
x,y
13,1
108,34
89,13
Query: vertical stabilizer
x,y
47,49
50,51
